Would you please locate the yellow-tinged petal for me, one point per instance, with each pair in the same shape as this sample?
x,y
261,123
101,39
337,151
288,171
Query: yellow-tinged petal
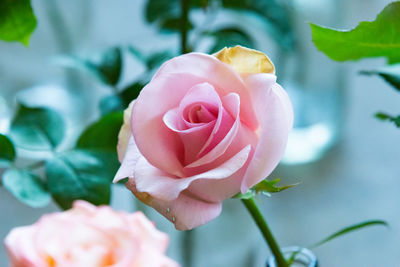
x,y
246,60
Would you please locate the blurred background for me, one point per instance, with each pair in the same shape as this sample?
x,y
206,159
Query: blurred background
x,y
346,161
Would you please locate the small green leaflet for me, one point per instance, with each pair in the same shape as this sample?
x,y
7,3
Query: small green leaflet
x,y
379,38
17,21
265,187
390,74
7,150
37,128
386,117
26,187
350,229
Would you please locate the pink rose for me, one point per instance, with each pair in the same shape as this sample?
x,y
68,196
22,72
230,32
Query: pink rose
x,y
204,128
88,236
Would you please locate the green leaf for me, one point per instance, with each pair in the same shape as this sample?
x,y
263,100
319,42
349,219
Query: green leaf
x,y
379,38
349,229
158,10
265,187
387,117
268,186
37,128
172,25
155,60
17,21
103,134
105,66
26,187
120,101
390,74
7,150
275,14
166,15
123,181
80,174
230,36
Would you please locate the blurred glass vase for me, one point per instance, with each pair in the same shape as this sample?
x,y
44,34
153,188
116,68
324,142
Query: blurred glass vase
x,y
302,257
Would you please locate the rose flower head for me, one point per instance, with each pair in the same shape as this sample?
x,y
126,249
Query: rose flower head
x,y
203,129
88,236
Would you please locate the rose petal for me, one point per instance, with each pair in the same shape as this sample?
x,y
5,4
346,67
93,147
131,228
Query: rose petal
x,y
211,70
161,186
232,102
150,133
184,212
129,161
193,139
275,114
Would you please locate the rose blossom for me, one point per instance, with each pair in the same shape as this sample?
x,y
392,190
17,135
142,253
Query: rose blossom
x,y
88,236
203,129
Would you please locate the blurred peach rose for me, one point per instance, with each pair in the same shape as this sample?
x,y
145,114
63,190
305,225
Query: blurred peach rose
x,y
88,236
203,129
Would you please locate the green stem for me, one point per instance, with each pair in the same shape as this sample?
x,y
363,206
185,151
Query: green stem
x,y
184,25
188,244
262,225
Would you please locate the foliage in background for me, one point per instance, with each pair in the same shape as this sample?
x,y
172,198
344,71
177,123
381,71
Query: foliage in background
x,y
17,21
378,38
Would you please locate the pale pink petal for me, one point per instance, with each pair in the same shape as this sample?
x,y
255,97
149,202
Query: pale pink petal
x,y
218,190
129,161
193,139
222,76
152,181
158,144
184,212
20,247
232,103
275,115
204,94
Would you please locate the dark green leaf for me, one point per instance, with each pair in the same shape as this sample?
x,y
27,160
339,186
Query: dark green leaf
x,y
120,101
7,150
37,128
123,181
80,174
172,25
379,38
155,60
275,13
387,117
166,15
228,37
265,187
26,187
17,21
349,229
157,10
105,66
390,74
103,134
